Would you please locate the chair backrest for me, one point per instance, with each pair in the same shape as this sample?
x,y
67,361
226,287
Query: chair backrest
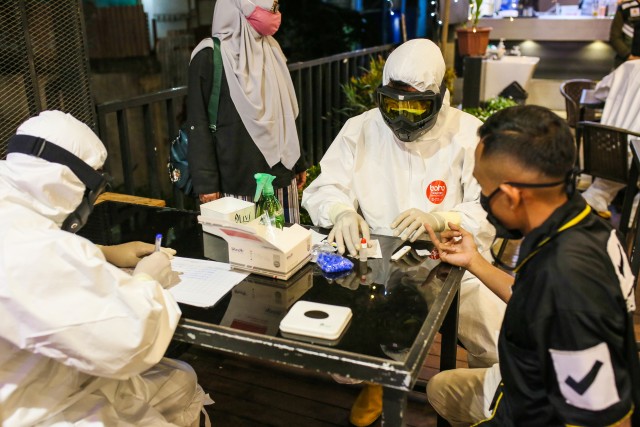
x,y
630,214
633,244
606,151
571,91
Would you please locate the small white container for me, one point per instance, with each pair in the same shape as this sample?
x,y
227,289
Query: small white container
x,y
315,319
229,209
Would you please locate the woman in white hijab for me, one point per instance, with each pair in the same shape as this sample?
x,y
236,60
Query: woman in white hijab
x,y
256,129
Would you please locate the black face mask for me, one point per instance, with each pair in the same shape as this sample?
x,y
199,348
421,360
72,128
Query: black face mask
x,y
501,230
514,234
95,182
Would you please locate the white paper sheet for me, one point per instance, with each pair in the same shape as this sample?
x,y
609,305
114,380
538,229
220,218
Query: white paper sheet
x,y
202,282
374,251
316,237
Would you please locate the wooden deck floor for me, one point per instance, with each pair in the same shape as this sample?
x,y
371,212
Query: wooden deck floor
x,y
249,393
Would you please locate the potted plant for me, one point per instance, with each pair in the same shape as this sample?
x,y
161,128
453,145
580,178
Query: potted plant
x,y
473,40
490,107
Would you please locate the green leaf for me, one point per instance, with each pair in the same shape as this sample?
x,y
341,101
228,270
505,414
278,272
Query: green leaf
x,y
490,107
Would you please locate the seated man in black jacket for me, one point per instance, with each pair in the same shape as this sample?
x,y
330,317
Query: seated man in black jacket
x,y
567,348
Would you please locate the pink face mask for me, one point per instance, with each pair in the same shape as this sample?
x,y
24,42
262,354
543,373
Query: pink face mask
x,y
264,22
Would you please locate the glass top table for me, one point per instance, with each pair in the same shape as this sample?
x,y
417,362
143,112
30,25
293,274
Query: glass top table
x,y
398,306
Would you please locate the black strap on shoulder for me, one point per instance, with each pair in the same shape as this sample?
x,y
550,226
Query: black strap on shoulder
x,y
39,147
215,88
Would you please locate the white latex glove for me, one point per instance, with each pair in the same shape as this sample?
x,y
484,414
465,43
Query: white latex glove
x,y
348,229
410,223
127,255
157,266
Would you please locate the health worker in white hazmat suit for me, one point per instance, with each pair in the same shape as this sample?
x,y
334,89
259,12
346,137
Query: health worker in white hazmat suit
x,y
619,89
409,162
81,341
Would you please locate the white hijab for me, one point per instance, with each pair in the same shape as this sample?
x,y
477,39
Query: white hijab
x,y
419,63
259,81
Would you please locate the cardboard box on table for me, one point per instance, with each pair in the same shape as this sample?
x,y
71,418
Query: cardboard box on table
x,y
259,249
228,209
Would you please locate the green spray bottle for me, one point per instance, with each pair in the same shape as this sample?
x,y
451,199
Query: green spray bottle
x,y
266,201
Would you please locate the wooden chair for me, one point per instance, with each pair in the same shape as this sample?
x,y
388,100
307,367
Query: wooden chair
x,y
631,229
606,151
606,156
571,91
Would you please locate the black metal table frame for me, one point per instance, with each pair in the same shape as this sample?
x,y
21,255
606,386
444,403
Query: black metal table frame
x,y
397,378
115,222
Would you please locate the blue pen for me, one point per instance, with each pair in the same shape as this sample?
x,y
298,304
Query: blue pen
x,y
158,242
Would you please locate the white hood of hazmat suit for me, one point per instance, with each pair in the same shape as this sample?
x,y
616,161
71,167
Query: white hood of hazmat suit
x,y
367,168
72,324
620,91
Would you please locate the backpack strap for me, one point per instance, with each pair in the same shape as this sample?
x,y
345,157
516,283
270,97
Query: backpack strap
x,y
215,88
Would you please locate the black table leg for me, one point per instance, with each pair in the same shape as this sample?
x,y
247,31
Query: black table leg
x,y
394,406
449,332
630,192
448,347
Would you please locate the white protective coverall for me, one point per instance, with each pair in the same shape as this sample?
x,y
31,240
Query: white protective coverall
x,y
619,89
368,168
81,342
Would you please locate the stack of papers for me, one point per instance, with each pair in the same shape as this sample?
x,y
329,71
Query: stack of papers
x,y
202,282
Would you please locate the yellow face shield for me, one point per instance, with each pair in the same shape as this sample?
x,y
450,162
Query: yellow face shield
x,y
409,114
414,110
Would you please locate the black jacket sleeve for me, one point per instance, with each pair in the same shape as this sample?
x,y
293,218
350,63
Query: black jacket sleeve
x,y
302,164
202,157
617,37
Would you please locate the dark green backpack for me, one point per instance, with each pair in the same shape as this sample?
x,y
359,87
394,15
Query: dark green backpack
x,y
178,166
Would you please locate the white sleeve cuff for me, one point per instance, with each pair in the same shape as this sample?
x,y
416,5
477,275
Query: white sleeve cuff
x,y
448,217
143,277
337,209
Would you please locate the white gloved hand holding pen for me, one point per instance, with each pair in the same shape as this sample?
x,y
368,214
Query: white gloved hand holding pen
x,y
348,229
127,255
157,266
410,223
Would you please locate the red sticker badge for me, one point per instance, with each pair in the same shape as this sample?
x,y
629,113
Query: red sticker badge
x,y
436,192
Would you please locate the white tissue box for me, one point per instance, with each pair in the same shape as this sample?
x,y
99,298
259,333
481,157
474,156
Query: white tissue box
x,y
263,250
229,209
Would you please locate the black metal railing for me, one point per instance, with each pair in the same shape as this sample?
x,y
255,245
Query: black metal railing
x,y
137,131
